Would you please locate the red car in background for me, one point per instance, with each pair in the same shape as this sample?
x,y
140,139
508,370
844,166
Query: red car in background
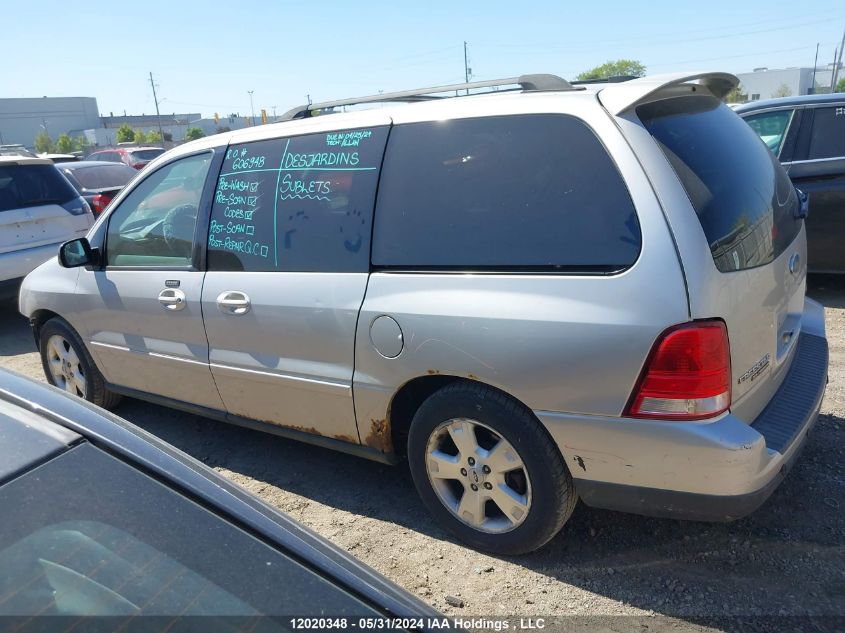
x,y
97,181
135,157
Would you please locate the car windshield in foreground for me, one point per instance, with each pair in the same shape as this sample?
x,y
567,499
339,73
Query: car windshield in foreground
x,y
92,536
32,186
742,196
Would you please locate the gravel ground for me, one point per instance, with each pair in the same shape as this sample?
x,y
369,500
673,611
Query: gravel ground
x,y
786,559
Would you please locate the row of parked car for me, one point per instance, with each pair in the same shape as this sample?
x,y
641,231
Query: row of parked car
x,y
40,203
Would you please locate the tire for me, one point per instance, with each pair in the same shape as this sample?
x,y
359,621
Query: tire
x,y
60,345
539,493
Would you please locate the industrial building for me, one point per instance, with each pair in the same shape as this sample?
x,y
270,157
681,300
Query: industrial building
x,y
766,83
22,119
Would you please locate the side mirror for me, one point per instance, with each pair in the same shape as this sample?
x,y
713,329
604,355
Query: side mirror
x,y
804,205
77,253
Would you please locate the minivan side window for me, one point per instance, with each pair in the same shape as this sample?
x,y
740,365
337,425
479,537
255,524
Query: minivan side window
x,y
771,127
504,192
301,203
154,224
827,140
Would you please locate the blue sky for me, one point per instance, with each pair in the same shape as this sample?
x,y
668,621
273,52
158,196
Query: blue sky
x,y
206,56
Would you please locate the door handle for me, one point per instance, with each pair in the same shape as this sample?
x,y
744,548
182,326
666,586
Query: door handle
x,y
172,299
233,302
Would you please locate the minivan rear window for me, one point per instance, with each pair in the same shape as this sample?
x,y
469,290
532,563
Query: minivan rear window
x,y
32,185
518,192
743,198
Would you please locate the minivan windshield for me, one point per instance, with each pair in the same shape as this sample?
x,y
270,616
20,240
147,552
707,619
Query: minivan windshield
x,y
743,198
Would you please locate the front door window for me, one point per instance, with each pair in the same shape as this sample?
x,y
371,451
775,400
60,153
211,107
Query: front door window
x,y
154,225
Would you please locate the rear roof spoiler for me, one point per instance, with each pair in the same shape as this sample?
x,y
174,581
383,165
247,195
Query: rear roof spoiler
x,y
621,97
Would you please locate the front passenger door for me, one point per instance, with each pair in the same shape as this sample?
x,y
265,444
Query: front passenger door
x,y
141,311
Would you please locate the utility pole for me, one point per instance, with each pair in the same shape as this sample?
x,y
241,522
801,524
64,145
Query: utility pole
x,y
815,64
158,114
251,107
838,63
466,65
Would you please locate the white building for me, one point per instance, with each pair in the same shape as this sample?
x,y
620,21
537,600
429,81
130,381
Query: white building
x,y
765,83
22,119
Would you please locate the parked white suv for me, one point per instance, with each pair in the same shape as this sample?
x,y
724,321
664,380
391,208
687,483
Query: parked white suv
x,y
39,209
539,294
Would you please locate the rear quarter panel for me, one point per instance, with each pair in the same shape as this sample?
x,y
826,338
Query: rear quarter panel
x,y
557,343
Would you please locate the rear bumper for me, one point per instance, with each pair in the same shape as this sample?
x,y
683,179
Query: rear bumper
x,y
716,471
16,265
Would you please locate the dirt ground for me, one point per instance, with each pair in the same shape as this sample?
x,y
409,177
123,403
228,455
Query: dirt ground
x,y
787,559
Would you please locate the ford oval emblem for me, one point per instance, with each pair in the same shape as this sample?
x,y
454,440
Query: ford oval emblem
x,y
795,263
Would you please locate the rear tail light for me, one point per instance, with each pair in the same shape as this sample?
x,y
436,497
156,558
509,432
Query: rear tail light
x,y
76,206
100,202
687,375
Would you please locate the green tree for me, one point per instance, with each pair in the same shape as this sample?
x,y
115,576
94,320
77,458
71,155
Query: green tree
x,y
737,95
79,143
125,134
140,137
154,137
618,68
64,145
782,91
43,142
840,85
193,133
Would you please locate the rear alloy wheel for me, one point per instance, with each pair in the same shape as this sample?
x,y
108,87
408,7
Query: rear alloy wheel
x,y
68,365
478,475
487,470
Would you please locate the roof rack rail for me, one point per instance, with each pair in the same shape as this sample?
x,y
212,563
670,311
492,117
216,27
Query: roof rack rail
x,y
529,83
615,79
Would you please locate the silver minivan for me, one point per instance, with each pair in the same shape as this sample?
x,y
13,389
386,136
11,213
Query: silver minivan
x,y
536,292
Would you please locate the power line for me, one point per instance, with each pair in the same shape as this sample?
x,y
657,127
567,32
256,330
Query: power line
x,y
716,59
657,41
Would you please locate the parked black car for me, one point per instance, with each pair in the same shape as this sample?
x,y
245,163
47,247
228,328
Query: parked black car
x,y
105,522
807,133
97,181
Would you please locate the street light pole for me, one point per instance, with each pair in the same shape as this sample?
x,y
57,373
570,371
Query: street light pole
x,y
251,107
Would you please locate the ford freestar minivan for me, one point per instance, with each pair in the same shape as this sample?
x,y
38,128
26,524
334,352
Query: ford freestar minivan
x,y
536,294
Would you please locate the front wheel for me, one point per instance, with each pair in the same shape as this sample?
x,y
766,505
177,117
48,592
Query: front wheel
x,y
488,471
68,365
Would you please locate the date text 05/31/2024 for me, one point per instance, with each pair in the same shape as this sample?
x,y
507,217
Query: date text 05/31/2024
x,y
397,624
